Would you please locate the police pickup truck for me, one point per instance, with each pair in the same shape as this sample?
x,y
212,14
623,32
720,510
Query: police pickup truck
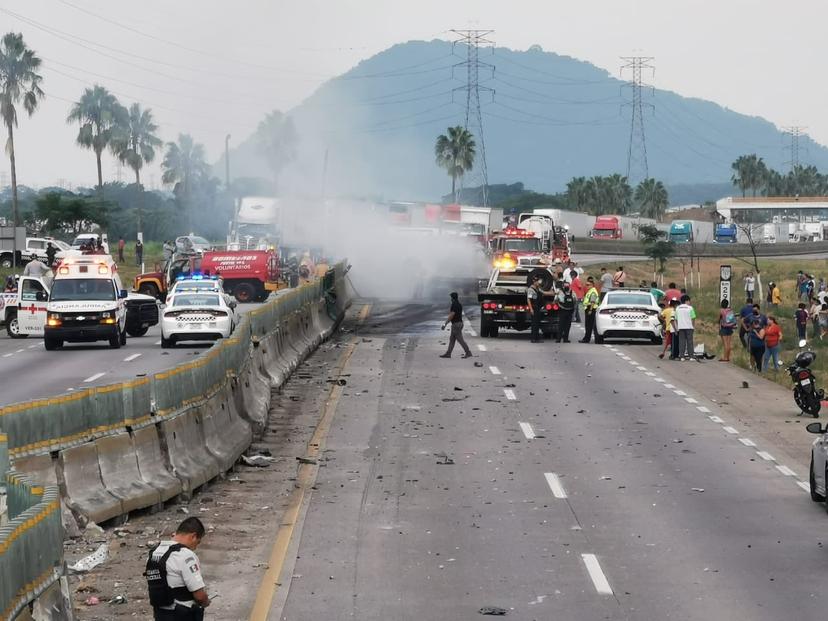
x,y
503,302
24,311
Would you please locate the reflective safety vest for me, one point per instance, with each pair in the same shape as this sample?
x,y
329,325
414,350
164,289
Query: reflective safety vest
x,y
160,591
592,299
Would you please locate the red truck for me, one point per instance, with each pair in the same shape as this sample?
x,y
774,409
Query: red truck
x,y
606,227
248,275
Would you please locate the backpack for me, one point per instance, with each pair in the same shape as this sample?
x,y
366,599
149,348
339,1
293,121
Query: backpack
x,y
729,320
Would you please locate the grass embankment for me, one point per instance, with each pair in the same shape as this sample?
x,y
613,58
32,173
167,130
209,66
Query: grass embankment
x,y
705,299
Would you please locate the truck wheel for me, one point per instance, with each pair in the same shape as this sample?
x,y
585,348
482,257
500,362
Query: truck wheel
x,y
244,292
484,329
6,262
52,344
136,332
13,327
115,341
148,288
545,276
493,331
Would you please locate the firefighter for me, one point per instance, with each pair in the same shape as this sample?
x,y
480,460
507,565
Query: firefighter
x,y
566,302
174,581
591,302
534,298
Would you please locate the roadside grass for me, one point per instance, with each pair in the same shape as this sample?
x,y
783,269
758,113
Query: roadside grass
x,y
705,299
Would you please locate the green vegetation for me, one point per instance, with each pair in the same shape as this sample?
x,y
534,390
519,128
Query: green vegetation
x,y
751,174
455,151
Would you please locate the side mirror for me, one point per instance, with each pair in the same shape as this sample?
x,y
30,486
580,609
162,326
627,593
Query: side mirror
x,y
41,296
815,428
233,304
122,294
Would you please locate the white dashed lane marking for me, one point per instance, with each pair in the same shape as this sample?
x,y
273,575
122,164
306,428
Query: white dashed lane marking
x,y
131,358
680,393
690,400
660,380
554,482
701,408
527,430
766,456
716,419
157,342
747,441
640,368
600,581
669,386
804,486
510,394
7,355
730,430
494,370
92,378
786,471
20,351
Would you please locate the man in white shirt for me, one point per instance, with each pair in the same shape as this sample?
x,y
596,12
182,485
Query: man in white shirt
x,y
176,587
750,286
684,318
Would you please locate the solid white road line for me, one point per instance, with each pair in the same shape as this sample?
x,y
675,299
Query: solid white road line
x,y
786,471
701,408
766,456
804,486
600,581
716,419
690,400
131,358
747,441
554,483
510,394
527,430
92,378
730,430
494,370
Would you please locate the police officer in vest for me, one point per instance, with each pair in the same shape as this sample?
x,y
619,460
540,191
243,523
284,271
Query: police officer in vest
x,y
566,302
176,588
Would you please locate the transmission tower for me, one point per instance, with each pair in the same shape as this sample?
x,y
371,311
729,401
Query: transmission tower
x,y
795,132
637,168
474,40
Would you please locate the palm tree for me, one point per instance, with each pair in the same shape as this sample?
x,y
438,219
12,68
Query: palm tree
x,y
275,140
749,173
652,198
185,167
576,193
19,84
99,114
455,152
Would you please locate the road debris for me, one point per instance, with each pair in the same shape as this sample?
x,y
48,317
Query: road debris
x,y
493,611
88,563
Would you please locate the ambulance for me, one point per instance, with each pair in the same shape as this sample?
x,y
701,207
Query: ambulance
x,y
87,303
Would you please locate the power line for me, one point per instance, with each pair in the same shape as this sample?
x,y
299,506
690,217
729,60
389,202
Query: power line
x,y
637,150
473,40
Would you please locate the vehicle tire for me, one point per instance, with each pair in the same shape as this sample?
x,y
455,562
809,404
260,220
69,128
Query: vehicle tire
x,y
136,332
148,288
815,496
52,344
598,339
493,331
115,341
13,327
244,292
545,276
166,343
657,340
6,262
484,329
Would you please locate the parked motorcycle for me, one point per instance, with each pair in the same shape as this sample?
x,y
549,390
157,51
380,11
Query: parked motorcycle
x,y
807,396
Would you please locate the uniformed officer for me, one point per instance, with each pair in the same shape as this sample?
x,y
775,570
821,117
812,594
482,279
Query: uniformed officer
x,y
591,302
534,299
566,302
176,588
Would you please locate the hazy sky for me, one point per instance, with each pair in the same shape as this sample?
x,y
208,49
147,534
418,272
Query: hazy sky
x,y
213,67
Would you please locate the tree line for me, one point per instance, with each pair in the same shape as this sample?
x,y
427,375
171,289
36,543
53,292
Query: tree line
x,y
130,134
751,174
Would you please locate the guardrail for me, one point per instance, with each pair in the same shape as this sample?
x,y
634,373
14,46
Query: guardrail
x,y
136,444
635,248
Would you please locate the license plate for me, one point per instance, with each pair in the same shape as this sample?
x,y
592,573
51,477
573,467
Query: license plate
x,y
195,326
629,324
805,382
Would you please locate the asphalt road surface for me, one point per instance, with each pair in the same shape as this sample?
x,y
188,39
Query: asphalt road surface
x,y
31,372
552,481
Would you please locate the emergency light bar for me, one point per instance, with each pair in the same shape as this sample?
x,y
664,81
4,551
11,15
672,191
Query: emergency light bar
x,y
514,232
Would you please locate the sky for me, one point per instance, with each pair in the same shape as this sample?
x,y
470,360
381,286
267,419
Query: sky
x,y
214,67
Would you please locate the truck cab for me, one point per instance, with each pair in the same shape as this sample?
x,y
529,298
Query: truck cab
x,y
724,234
681,232
606,227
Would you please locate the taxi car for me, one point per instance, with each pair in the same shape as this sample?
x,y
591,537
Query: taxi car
x,y
196,314
627,313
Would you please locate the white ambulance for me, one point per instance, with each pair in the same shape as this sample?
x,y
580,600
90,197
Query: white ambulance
x,y
87,303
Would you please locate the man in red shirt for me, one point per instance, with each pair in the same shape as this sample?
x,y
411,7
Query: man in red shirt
x,y
672,293
579,291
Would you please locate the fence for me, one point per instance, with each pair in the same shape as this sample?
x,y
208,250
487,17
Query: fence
x,y
139,443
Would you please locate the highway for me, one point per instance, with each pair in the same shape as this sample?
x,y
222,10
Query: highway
x,y
551,481
30,372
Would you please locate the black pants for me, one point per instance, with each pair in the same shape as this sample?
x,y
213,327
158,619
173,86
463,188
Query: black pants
x,y
564,323
674,346
536,317
757,353
742,333
181,613
589,325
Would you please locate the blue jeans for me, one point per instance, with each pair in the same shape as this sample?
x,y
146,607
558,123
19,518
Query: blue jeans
x,y
771,351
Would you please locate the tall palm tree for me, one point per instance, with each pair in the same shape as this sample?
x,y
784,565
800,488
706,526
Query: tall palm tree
x,y
749,173
19,84
576,193
184,167
455,151
652,198
99,115
276,140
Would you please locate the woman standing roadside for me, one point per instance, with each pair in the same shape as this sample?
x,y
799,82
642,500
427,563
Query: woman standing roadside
x,y
772,337
727,323
756,340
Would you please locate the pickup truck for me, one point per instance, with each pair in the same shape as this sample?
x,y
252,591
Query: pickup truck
x,y
35,247
24,311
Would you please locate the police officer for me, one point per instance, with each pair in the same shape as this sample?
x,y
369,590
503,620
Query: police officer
x,y
591,302
51,252
566,302
534,299
176,588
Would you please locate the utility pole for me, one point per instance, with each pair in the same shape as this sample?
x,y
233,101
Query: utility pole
x,y
637,168
795,132
473,40
4,179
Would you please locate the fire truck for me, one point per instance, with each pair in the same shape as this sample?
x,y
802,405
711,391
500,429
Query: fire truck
x,y
248,275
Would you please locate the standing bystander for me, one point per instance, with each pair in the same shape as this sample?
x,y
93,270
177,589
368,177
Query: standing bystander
x,y
801,316
772,337
685,316
727,323
121,246
591,302
750,286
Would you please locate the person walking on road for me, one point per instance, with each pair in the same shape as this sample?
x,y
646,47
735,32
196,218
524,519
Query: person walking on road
x,y
667,324
121,246
455,318
620,277
591,301
773,335
173,572
567,302
727,323
685,316
139,253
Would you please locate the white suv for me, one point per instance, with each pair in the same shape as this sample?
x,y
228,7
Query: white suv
x,y
628,314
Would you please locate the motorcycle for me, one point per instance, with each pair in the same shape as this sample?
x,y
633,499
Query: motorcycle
x,y
806,395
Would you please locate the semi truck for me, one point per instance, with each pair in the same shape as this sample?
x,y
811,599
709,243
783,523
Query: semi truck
x,y
606,227
724,234
681,232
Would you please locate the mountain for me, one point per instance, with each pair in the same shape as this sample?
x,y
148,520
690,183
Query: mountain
x,y
547,119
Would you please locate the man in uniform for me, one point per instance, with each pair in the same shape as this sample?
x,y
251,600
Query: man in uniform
x,y
534,299
176,588
591,302
455,317
51,252
566,302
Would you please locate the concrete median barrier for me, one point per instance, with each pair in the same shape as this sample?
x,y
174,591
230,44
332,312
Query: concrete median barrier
x,y
186,445
121,475
226,433
152,463
85,493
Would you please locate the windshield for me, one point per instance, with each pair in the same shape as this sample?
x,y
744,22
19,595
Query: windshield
x,y
196,299
79,289
83,239
199,240
531,244
630,299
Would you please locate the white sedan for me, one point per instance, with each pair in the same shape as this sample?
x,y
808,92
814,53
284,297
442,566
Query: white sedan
x,y
196,316
628,314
